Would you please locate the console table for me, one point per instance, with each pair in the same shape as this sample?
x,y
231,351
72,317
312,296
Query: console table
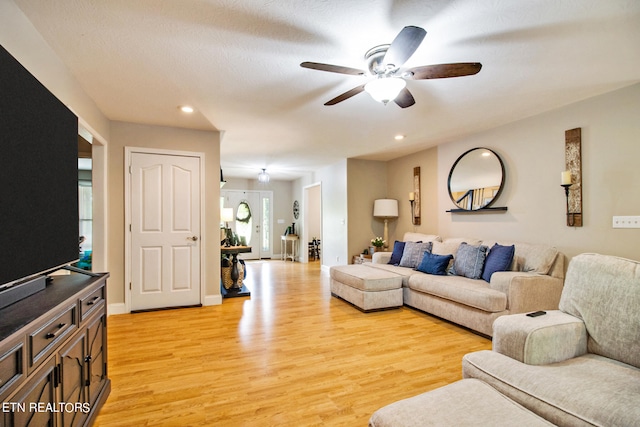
x,y
53,354
293,238
234,290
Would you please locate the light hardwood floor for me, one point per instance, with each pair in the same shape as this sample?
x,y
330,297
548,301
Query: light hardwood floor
x,y
290,355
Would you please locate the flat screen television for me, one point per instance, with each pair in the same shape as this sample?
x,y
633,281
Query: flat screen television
x,y
38,177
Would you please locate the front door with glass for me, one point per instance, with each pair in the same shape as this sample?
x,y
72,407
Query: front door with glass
x,y
252,213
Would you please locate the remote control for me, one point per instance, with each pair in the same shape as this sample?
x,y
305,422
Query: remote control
x,y
536,313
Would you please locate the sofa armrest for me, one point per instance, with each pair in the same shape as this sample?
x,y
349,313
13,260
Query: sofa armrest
x,y
541,340
528,292
381,257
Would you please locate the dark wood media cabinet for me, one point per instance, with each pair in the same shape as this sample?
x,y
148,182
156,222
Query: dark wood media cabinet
x,y
53,354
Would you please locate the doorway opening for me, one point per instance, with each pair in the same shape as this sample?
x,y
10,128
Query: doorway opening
x,y
313,221
85,204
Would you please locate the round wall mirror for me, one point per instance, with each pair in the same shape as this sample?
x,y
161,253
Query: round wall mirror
x,y
476,179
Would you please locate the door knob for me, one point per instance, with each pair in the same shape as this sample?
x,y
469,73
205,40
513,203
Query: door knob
x,y
193,238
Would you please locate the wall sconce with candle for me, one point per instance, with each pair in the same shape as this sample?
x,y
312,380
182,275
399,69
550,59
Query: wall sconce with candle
x,y
414,197
572,177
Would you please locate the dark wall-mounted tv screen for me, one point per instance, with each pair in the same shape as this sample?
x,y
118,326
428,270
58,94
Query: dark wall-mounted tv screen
x,y
38,176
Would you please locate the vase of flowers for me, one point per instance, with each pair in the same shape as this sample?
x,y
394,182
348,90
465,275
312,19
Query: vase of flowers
x,y
378,243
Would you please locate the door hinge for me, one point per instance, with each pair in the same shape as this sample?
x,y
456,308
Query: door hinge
x,y
130,287
129,228
129,169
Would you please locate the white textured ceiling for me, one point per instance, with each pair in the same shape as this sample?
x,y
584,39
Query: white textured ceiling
x,y
237,62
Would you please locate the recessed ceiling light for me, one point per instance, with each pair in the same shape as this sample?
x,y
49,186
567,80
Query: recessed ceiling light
x,y
398,137
186,109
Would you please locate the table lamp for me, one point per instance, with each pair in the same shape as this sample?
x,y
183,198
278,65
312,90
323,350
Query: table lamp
x,y
386,209
226,215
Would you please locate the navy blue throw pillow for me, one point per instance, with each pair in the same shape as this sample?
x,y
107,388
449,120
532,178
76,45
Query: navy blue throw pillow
x,y
499,259
396,255
434,264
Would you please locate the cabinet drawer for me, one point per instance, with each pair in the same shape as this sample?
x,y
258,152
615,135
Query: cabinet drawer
x,y
12,371
91,302
44,339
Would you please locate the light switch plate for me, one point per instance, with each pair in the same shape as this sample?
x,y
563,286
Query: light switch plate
x,y
626,222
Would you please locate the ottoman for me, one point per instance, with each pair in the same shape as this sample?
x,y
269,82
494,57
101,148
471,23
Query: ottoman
x,y
467,402
365,287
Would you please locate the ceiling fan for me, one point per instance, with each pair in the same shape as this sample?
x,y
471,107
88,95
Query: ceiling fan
x,y
384,64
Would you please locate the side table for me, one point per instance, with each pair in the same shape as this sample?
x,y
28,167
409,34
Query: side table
x,y
234,290
293,238
361,259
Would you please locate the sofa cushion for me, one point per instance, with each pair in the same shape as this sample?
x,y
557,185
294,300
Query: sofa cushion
x,y
450,246
469,260
499,259
364,278
471,292
529,257
396,255
413,253
604,291
419,237
434,264
403,272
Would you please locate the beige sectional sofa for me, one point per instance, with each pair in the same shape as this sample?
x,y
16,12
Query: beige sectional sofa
x,y
533,283
576,366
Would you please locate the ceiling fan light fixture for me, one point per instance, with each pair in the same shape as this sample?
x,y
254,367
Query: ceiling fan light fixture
x,y
385,89
263,177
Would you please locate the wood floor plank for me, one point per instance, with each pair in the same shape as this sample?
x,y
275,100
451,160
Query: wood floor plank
x,y
290,355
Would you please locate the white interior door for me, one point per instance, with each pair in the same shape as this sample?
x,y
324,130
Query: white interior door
x,y
165,231
257,230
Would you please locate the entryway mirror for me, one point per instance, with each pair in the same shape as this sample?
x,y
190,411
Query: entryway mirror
x,y
476,179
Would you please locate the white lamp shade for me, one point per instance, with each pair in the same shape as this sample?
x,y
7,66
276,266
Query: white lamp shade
x,y
385,89
385,208
226,214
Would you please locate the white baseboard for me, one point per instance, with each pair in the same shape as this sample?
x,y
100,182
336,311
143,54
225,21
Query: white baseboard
x,y
118,308
212,300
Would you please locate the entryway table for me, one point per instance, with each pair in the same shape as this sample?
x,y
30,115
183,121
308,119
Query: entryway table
x,y
236,290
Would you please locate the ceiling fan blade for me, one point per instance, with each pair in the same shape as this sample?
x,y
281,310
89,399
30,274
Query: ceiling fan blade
x,y
404,99
348,94
403,46
443,71
332,68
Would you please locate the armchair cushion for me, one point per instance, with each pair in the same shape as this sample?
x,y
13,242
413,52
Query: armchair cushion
x,y
588,390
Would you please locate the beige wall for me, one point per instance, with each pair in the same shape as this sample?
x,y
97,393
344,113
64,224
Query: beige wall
x,y
533,153
400,172
367,181
166,138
